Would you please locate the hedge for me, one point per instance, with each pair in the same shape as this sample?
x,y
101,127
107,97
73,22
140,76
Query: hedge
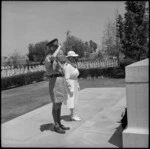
x,y
125,62
105,72
22,79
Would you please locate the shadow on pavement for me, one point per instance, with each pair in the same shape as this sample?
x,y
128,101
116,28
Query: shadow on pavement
x,y
116,138
49,126
65,118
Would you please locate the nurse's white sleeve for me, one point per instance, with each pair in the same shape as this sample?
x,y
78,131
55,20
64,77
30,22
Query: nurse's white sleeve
x,y
67,71
78,85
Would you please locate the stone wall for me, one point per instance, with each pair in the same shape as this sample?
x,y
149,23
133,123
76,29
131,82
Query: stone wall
x,y
136,133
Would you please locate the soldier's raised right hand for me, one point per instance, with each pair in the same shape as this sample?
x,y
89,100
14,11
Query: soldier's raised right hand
x,y
59,45
52,58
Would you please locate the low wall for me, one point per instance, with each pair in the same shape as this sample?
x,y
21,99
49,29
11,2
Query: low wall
x,y
136,133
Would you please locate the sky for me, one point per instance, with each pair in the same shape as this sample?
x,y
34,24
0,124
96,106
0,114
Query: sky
x,y
25,22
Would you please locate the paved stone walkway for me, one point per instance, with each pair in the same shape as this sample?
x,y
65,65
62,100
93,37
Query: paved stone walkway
x,y
99,108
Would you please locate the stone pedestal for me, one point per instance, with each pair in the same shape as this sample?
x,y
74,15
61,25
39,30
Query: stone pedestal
x,y
137,94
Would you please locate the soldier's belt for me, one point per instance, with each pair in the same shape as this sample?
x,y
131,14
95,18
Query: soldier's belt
x,y
55,75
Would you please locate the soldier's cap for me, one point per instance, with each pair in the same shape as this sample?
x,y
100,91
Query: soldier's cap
x,y
51,42
62,58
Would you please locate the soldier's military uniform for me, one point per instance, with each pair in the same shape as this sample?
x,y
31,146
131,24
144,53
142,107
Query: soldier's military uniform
x,y
56,88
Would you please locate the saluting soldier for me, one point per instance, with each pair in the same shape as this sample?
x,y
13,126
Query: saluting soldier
x,y
57,90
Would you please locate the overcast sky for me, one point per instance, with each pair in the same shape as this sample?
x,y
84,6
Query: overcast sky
x,y
25,22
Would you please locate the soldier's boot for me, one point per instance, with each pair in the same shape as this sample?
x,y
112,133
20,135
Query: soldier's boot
x,y
57,128
59,120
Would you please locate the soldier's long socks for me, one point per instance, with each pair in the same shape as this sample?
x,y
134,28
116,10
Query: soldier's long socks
x,y
55,117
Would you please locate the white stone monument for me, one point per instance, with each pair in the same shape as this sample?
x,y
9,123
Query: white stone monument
x,y
136,133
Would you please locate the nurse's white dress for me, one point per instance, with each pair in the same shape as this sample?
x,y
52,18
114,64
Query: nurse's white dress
x,y
71,78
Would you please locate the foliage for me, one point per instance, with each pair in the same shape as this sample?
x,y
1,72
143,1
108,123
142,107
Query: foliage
x,y
146,25
88,49
115,72
22,79
119,28
75,44
109,39
126,62
100,55
32,52
37,51
15,59
93,56
119,35
136,31
93,46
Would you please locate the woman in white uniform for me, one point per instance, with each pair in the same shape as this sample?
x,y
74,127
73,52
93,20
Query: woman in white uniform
x,y
71,77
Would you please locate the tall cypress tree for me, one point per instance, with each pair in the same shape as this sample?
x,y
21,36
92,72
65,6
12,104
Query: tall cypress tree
x,y
119,34
135,33
119,24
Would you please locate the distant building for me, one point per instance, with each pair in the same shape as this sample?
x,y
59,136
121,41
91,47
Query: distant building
x,y
93,56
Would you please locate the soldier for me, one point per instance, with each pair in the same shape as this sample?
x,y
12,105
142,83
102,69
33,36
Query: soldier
x,y
56,83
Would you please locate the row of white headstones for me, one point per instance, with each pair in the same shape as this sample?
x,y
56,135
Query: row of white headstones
x,y
11,71
21,70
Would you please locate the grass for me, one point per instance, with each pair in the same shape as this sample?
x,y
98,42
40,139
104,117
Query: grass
x,y
21,100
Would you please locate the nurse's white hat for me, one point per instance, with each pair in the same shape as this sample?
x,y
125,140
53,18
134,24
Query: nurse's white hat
x,y
72,53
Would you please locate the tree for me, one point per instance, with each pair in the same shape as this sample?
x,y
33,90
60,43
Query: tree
x,y
75,44
37,51
135,30
88,49
119,35
15,59
100,55
146,25
109,39
93,46
67,33
31,52
119,25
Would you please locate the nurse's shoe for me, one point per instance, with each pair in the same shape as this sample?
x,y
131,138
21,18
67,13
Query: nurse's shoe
x,y
75,118
59,130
